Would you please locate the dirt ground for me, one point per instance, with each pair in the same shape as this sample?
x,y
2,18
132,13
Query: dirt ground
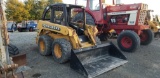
x,y
144,63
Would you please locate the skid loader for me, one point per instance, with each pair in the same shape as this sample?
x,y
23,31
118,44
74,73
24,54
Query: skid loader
x,y
76,42
153,22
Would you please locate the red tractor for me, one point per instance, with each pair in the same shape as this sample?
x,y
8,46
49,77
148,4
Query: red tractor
x,y
127,20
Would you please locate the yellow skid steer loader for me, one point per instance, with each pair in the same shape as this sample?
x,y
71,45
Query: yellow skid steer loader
x,y
77,42
153,22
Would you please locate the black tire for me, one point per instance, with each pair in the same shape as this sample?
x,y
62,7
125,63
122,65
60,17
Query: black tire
x,y
65,50
47,45
132,42
31,29
149,39
19,30
103,37
89,18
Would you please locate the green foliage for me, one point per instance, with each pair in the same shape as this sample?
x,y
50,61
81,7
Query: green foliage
x,y
54,1
15,11
35,8
29,10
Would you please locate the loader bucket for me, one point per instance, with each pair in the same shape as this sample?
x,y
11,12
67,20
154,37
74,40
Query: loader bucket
x,y
94,61
19,59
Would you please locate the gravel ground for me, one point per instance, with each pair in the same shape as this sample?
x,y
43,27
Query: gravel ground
x,y
144,63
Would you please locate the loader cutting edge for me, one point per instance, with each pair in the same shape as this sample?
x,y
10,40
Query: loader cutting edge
x,y
93,61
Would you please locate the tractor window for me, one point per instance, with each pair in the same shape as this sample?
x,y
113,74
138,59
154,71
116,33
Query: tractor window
x,y
94,5
81,2
73,12
58,14
47,14
59,17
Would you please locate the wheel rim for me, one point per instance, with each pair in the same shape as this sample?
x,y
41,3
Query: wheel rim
x,y
42,45
126,42
57,51
143,36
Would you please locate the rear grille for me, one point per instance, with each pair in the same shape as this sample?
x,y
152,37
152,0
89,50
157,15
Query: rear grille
x,y
142,17
143,13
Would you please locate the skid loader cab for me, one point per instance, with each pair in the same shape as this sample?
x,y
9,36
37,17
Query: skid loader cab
x,y
74,41
61,14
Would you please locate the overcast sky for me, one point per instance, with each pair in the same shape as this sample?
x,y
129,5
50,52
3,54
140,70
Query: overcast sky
x,y
152,4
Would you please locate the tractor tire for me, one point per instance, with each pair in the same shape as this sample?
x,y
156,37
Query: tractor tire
x,y
61,50
44,44
103,37
128,41
146,37
79,17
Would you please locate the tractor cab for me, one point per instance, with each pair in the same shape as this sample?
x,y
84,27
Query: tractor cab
x,y
62,14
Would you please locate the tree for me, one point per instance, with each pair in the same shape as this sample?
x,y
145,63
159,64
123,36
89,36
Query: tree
x,y
54,1
16,11
35,8
29,10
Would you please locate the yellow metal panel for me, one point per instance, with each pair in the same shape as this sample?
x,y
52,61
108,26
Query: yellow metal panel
x,y
86,44
153,26
53,27
91,32
46,25
63,32
48,28
56,36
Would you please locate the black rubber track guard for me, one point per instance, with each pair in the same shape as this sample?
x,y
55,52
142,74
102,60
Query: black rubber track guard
x,y
96,60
